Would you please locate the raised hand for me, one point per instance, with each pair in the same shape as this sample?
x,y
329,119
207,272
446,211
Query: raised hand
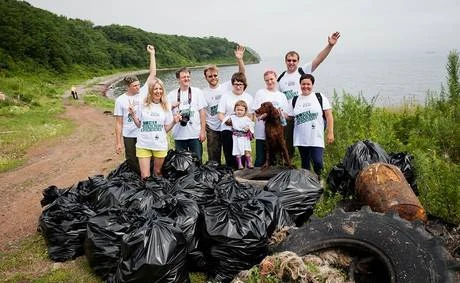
x,y
239,52
332,40
151,49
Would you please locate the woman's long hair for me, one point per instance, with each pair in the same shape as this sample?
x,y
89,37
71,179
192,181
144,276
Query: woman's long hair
x,y
163,100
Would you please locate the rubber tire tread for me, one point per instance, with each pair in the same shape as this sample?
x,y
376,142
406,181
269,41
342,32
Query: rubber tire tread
x,y
413,253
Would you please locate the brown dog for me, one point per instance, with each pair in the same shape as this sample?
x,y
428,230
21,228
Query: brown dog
x,y
274,134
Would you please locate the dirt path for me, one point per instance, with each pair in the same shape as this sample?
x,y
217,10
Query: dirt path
x,y
88,151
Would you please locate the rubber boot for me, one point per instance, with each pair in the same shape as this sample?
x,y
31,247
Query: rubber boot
x,y
249,162
238,162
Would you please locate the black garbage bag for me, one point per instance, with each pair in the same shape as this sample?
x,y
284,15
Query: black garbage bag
x,y
91,189
179,163
275,214
50,194
236,237
228,188
403,161
118,190
185,212
212,173
143,199
361,155
124,169
63,225
103,241
340,181
358,156
298,191
200,192
153,251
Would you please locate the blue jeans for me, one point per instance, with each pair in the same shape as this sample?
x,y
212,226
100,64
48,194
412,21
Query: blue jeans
x,y
193,145
312,153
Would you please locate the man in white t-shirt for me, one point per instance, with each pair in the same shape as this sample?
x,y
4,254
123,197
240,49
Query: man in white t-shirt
x,y
212,94
189,102
124,124
288,81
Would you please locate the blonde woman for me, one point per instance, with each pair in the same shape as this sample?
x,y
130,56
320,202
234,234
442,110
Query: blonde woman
x,y
154,119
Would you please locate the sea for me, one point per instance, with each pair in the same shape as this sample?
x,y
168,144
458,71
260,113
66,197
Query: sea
x,y
388,79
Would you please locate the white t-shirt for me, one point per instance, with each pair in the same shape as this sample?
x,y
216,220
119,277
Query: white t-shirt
x,y
121,109
308,120
289,83
278,99
152,133
213,96
193,127
227,105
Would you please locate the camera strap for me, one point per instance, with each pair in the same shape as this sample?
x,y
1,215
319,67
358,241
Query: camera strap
x,y
189,96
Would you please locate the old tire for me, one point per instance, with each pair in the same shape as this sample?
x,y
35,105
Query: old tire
x,y
257,177
403,251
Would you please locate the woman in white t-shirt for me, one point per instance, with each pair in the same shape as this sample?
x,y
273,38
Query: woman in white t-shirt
x,y
155,119
279,100
226,107
309,125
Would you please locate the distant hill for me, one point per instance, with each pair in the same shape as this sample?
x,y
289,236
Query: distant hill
x,y
31,36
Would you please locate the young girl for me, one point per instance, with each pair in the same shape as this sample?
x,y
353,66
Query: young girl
x,y
155,119
242,134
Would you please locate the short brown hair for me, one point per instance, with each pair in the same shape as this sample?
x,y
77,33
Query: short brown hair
x,y
210,68
130,79
239,76
182,70
291,53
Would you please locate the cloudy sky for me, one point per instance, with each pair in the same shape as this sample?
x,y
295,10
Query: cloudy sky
x,y
275,27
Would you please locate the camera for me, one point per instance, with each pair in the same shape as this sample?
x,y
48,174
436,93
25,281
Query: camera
x,y
185,119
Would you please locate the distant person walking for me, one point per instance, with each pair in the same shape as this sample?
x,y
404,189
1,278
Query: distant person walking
x,y
288,81
74,93
125,128
212,93
190,104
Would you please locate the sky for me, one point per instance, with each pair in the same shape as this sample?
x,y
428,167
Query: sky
x,y
274,27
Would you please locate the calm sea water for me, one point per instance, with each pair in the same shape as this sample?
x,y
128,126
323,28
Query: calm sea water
x,y
392,78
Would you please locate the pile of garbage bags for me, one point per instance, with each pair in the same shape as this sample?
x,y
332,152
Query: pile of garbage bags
x,y
342,176
195,218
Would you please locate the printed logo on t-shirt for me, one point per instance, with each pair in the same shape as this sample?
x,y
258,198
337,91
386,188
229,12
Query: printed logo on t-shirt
x,y
213,110
151,126
290,94
305,117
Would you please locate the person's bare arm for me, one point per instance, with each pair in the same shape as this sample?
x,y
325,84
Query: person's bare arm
x,y
330,126
331,41
239,53
203,124
118,136
153,63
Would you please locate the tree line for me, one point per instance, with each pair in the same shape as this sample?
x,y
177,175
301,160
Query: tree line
x,y
31,36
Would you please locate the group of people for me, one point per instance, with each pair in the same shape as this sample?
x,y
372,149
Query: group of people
x,y
223,114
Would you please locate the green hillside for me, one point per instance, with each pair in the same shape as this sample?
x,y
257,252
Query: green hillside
x,y
32,37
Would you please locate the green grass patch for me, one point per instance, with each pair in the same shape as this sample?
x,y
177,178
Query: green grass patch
x,y
99,101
